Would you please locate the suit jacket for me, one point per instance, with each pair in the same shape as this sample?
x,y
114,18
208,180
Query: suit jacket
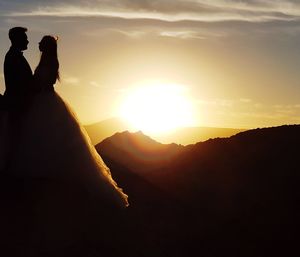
x,y
18,77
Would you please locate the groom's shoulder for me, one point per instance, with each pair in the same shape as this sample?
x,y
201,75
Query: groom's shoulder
x,y
10,52
11,55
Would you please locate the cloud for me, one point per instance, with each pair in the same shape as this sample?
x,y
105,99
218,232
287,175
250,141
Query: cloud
x,y
245,100
270,114
258,105
129,33
265,118
290,109
182,34
244,107
71,80
180,19
217,102
262,115
249,113
166,10
94,84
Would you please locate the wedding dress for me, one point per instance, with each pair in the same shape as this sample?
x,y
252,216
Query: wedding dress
x,y
63,188
52,144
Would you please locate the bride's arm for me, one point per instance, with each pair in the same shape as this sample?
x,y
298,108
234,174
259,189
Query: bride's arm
x,y
44,79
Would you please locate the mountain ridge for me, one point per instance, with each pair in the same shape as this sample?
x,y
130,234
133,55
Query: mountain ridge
x,y
146,151
187,135
235,196
141,149
229,196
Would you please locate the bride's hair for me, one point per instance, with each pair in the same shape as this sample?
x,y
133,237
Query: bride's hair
x,y
49,58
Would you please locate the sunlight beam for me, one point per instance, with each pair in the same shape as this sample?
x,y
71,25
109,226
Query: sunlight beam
x,y
157,107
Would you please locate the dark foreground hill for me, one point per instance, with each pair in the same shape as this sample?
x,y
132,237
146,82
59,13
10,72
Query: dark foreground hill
x,y
234,196
138,152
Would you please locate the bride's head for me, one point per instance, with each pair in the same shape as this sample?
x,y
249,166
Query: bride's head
x,y
48,45
49,58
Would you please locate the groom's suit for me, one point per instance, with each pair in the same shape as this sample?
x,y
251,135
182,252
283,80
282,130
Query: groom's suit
x,y
18,79
18,83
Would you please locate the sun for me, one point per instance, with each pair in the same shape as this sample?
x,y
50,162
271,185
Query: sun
x,y
156,107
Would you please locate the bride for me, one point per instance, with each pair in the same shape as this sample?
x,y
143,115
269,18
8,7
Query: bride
x,y
58,196
53,144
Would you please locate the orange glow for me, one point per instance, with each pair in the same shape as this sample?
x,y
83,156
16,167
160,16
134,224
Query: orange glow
x,y
156,107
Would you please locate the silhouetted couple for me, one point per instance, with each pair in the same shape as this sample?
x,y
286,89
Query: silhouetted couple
x,y
42,136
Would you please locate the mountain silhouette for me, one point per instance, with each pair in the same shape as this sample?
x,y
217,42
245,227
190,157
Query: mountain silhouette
x,y
186,135
192,135
234,196
106,128
137,151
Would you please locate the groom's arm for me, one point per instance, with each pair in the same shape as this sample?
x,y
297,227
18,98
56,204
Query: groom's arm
x,y
12,74
17,74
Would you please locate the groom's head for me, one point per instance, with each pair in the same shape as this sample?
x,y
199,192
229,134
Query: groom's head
x,y
18,38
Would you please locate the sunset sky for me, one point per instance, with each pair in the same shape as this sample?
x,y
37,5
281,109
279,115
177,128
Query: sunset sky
x,y
236,63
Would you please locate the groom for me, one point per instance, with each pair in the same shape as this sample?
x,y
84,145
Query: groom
x,y
18,83
17,72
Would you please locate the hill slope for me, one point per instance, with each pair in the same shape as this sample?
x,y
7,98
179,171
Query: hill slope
x,y
137,151
233,196
101,130
192,135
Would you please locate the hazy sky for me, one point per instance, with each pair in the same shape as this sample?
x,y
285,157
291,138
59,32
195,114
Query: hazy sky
x,y
238,61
